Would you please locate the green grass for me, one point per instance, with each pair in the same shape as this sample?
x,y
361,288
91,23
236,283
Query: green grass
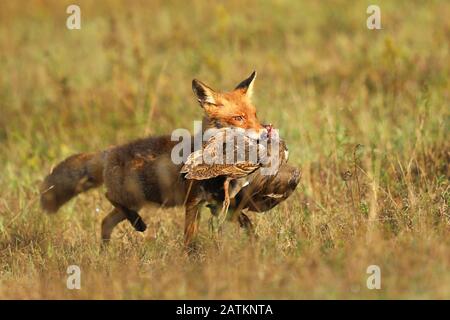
x,y
372,103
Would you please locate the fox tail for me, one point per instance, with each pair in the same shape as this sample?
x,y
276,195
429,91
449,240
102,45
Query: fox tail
x,y
76,174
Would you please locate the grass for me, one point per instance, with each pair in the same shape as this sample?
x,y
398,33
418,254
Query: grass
x,y
365,114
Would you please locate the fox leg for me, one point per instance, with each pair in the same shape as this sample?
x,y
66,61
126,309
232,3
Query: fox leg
x,y
192,219
132,216
246,223
110,222
237,216
191,224
213,208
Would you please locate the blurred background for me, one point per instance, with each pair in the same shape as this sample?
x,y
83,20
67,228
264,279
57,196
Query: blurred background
x,y
365,114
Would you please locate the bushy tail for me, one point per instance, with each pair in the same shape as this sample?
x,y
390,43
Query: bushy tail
x,y
74,175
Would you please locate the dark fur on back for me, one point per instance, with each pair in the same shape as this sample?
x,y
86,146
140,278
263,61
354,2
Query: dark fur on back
x,y
142,171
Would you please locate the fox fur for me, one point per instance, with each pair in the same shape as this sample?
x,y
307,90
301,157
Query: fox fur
x,y
141,171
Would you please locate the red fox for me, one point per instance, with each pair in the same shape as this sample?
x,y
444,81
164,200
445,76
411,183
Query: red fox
x,y
143,172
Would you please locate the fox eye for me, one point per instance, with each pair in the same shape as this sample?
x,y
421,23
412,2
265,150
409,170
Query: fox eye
x,y
238,118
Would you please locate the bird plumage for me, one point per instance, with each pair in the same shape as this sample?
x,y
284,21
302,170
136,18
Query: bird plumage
x,y
228,152
233,154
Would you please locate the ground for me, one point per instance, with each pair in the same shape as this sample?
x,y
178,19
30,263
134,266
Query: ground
x,y
365,114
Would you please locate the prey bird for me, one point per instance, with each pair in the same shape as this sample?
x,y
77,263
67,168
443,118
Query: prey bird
x,y
233,154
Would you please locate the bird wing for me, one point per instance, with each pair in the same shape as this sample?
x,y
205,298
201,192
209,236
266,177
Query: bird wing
x,y
226,153
193,160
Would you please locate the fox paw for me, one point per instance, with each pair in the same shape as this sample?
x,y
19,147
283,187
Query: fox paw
x,y
140,226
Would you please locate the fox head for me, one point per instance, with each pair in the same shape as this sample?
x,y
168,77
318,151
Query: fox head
x,y
229,109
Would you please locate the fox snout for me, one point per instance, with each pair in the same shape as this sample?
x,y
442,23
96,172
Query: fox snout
x,y
269,132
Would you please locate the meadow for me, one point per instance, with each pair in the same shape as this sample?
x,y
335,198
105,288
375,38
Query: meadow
x,y
365,114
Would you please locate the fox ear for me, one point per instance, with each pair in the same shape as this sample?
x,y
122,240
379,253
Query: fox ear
x,y
246,86
203,93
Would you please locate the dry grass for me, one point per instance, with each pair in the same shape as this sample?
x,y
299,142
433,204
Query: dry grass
x,y
365,113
